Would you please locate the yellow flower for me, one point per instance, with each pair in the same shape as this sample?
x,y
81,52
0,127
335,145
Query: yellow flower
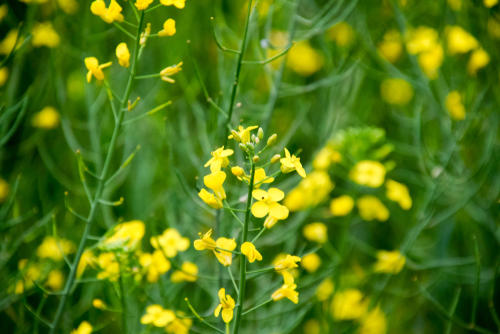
x,y
44,35
125,236
98,304
399,193
455,5
421,39
68,6
55,280
287,290
167,72
316,232
177,3
170,242
84,328
168,28
179,325
349,305
243,134
4,190
223,251
31,272
341,206
157,316
478,59
239,172
490,3
4,75
370,208
286,263
325,289
226,305
311,262
312,326
155,265
47,118
108,15
4,9
459,40
455,106
368,173
94,69
188,273
267,205
214,182
373,323
205,242
342,33
303,59
8,43
260,178
219,159
86,259
389,262
396,91
431,60
325,157
143,4
210,199
311,191
248,249
123,55
391,46
55,249
290,163
110,268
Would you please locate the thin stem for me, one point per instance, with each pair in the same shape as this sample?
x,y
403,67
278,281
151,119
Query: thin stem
x,y
123,302
243,263
100,187
200,318
232,280
476,283
256,307
258,235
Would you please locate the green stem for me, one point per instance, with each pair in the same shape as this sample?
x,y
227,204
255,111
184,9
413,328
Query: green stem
x,y
243,263
200,318
100,187
256,307
123,302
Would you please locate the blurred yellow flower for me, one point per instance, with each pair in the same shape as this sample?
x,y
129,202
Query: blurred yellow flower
x,y
168,28
167,72
109,14
94,69
368,173
349,305
311,262
8,43
68,6
43,34
205,242
303,59
226,305
98,304
55,280
110,268
4,10
374,322
219,159
424,42
155,264
267,205
286,262
86,259
170,242
316,232
291,163
143,4
239,172
455,106
4,190
278,41
179,325
47,118
311,191
399,193
177,3
455,5
55,249
459,40
431,60
490,3
342,33
31,272
248,249
325,289
396,91
123,54
125,236
325,157
287,290
187,273
391,46
341,206
243,134
157,316
370,208
389,262
478,59
4,75
84,328
224,247
312,326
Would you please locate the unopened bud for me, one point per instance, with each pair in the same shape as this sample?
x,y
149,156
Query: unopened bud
x,y
256,158
97,303
260,133
237,171
275,158
243,147
272,139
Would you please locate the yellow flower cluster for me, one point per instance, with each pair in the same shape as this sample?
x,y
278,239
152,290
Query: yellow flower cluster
x,y
157,316
460,41
222,248
424,42
311,191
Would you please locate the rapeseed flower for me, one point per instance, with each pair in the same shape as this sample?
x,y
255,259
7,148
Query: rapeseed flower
x,y
4,9
342,33
311,191
368,173
170,242
459,40
4,75
325,289
226,305
179,325
155,264
291,163
68,6
267,205
341,206
224,247
316,232
9,42
167,72
399,193
219,159
214,181
110,268
373,322
424,42
312,326
168,28
187,273
157,316
311,262
55,249
55,280
370,208
84,328
303,59
109,14
248,249
177,3
454,106
391,46
125,236
31,272
243,134
143,4
455,5
478,59
490,3
286,263
349,305
123,54
47,118
325,157
205,242
396,91
94,69
98,304
389,262
287,290
45,35
4,190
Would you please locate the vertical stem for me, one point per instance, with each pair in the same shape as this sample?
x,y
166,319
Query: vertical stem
x,y
100,186
123,302
243,262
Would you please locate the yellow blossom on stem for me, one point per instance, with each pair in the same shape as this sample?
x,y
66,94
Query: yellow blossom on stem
x,y
391,46
55,249
167,72
286,263
303,59
47,118
55,280
9,42
311,262
325,289
157,316
215,182
459,40
177,3
389,262
125,236
316,232
210,199
98,304
45,35
399,193
325,157
349,305
155,264
179,325
84,328
219,159
188,273
223,251
342,33
368,173
260,178
396,91
170,242
370,208
248,249
123,54
341,206
226,305
109,14
94,69
287,290
205,242
243,134
310,192
168,28
478,59
86,259
110,268
290,163
454,106
4,75
267,205
142,4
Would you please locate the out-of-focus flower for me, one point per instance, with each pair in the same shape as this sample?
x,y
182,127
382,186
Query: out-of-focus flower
x,y
45,35
55,280
459,40
55,249
155,264
170,242
167,72
342,33
311,191
8,43
490,3
455,106
431,60
177,3
277,42
94,69
389,262
68,6
123,54
325,157
396,91
86,259
341,206
478,59
143,4
349,305
219,159
168,28
47,118
179,325
157,316
423,41
303,59
248,249
391,46
187,273
373,322
455,5
4,10
4,75
226,306
286,262
368,173
399,193
311,262
370,208
312,326
4,190
109,14
110,268
316,232
98,304
267,205
125,236
260,178
84,328
291,163
325,289
287,290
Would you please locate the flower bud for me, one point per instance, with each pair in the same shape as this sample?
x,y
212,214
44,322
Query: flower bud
x,y
237,171
256,158
98,303
272,139
260,133
275,158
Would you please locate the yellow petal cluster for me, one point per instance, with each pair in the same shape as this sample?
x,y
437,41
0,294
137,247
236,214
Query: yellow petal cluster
x,y
55,249
157,316
214,181
349,305
177,3
170,242
311,191
370,208
396,91
167,72
424,42
267,205
286,263
248,249
107,14
391,46
242,135
44,35
219,159
287,290
399,193
342,33
154,264
291,163
187,273
123,54
304,59
94,69
143,4
84,328
47,118
454,105
125,236
226,305
311,262
326,157
389,262
341,206
316,232
368,173
168,28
